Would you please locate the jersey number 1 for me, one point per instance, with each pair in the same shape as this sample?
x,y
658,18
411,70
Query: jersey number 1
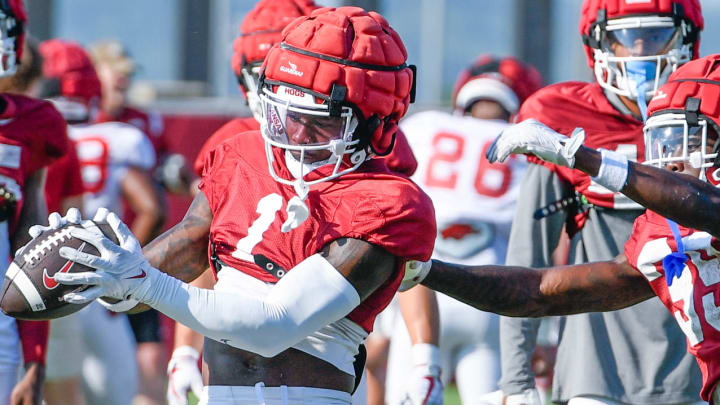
x,y
267,207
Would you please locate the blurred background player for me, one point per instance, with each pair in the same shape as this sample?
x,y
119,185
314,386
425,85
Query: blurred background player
x,y
259,30
474,205
115,159
32,135
632,48
115,69
63,190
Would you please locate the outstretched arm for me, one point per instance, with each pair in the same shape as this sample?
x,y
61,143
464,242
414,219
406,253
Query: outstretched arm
x,y
519,291
683,198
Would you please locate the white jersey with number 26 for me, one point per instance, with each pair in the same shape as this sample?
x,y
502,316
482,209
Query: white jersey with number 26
x,y
474,200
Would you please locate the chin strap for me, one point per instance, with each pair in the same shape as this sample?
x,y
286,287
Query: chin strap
x,y
674,263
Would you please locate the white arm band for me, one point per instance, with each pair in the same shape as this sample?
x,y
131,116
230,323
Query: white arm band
x,y
310,296
613,171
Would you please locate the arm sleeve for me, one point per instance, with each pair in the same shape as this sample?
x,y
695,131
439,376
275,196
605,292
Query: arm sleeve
x,y
531,244
34,339
310,296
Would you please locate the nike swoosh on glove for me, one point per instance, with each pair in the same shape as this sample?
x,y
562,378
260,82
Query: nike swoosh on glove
x,y
184,376
532,136
121,270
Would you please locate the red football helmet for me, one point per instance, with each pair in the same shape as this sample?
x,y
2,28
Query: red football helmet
x,y
74,86
681,113
633,45
12,34
259,31
504,80
333,91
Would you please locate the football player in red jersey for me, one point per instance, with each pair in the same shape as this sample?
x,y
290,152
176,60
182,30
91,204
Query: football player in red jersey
x,y
308,233
676,263
63,190
260,29
32,135
632,46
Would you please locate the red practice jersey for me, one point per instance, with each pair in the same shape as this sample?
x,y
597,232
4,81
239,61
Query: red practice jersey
x,y
693,298
566,106
63,180
227,131
371,203
32,135
151,124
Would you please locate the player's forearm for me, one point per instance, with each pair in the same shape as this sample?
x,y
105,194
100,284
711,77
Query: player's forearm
x,y
185,336
420,311
511,291
519,291
682,198
685,199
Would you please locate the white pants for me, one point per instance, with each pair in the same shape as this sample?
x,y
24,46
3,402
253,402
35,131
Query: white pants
x,y
260,395
469,348
109,369
595,400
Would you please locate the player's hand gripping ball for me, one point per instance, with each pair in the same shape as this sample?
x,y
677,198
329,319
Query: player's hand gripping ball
x,y
29,290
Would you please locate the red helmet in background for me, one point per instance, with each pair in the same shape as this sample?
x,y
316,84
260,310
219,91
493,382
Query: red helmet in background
x,y
12,34
681,113
633,46
259,31
341,75
506,81
71,81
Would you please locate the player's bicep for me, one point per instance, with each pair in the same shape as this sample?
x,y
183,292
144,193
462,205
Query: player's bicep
x,y
182,250
595,287
364,265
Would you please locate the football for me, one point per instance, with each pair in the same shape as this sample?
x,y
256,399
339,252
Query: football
x,y
29,290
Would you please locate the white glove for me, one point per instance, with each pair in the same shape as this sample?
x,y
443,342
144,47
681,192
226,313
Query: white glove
x,y
184,376
531,136
121,271
424,385
120,306
56,222
528,397
415,273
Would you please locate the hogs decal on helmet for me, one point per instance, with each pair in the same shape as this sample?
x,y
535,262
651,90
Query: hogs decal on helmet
x,y
333,91
684,121
506,81
259,31
633,46
12,33
71,82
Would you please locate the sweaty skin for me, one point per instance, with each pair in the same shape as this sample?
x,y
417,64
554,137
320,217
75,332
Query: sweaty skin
x,y
182,253
527,292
